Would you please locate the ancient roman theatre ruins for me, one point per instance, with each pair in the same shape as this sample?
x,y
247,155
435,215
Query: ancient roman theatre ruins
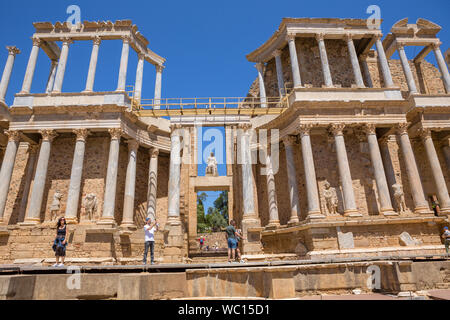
x,y
362,146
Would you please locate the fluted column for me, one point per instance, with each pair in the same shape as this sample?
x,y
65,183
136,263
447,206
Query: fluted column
x,y
406,68
379,173
28,79
93,64
73,196
7,168
274,220
436,171
32,153
446,150
288,142
383,63
174,175
109,200
158,86
12,51
420,204
324,61
366,71
121,82
344,171
139,77
312,192
294,61
442,66
40,177
262,89
247,174
354,61
279,67
62,65
152,184
130,185
51,76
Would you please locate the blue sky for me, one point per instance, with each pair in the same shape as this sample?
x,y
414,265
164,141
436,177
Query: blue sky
x,y
204,42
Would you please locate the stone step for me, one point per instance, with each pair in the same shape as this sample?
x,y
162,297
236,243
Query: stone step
x,y
443,285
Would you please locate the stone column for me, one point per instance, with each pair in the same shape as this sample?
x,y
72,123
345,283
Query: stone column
x,y
152,184
436,171
130,185
344,171
62,65
73,196
384,63
294,61
312,192
279,67
247,174
366,71
446,150
121,82
442,66
12,51
324,61
109,200
40,177
354,60
420,204
406,68
262,89
158,86
139,77
51,76
378,169
93,64
274,221
288,142
32,151
174,176
28,79
7,168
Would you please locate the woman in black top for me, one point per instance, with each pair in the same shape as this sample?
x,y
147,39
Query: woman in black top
x,y
60,243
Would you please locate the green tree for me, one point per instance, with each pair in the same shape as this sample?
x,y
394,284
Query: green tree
x,y
221,204
202,224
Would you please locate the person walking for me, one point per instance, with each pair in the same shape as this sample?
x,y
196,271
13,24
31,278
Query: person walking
x,y
60,243
232,237
446,236
150,228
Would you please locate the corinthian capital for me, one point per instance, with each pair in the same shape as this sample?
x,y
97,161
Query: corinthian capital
x,y
115,133
159,68
81,134
425,133
12,50
337,129
37,42
304,129
369,128
48,134
402,128
97,40
288,141
154,152
13,135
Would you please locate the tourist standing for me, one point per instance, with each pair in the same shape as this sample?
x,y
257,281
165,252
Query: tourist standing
x,y
446,236
60,243
150,228
232,237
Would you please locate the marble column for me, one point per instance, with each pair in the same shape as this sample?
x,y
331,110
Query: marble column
x,y
121,82
274,221
12,51
324,61
59,79
366,71
378,170
288,142
32,152
73,196
7,168
247,174
384,63
40,177
28,79
442,66
109,199
420,204
130,185
446,151
354,61
294,61
406,68
174,175
312,192
93,64
344,171
139,77
158,86
152,184
262,89
279,67
436,171
51,76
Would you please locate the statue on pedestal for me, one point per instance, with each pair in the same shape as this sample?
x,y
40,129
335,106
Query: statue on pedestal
x,y
330,197
399,197
211,168
55,206
90,205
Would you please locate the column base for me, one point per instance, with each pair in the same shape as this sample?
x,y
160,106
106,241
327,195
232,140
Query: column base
x,y
314,215
251,230
107,221
423,210
443,211
352,213
273,224
71,220
389,213
30,222
128,225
